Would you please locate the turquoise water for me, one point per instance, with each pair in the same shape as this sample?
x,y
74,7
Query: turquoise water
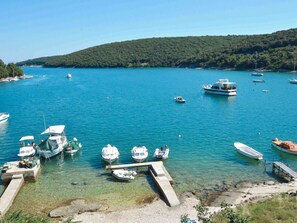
x,y
127,107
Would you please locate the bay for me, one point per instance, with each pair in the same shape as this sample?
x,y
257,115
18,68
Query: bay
x,y
127,107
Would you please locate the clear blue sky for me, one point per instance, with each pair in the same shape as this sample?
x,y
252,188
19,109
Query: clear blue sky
x,y
36,28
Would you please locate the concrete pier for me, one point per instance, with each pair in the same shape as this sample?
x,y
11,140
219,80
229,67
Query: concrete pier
x,y
10,193
160,175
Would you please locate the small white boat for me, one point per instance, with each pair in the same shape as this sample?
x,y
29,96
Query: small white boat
x,y
285,146
161,154
69,76
139,153
258,81
221,87
248,151
55,142
26,147
293,81
265,91
179,99
72,147
124,175
4,117
110,153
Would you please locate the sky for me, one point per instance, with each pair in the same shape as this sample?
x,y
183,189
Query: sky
x,y
37,28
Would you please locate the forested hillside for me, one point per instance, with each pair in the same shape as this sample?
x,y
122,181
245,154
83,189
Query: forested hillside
x,y
9,70
274,51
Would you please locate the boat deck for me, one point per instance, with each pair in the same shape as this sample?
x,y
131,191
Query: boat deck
x,y
160,175
284,171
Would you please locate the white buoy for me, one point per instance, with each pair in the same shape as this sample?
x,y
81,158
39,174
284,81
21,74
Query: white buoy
x,y
179,135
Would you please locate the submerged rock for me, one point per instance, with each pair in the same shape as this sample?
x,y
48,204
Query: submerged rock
x,y
76,207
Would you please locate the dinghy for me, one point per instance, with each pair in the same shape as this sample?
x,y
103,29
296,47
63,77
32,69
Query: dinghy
x,y
124,175
161,154
139,153
72,147
248,151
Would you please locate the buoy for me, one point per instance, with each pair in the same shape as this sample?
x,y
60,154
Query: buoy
x,y
179,135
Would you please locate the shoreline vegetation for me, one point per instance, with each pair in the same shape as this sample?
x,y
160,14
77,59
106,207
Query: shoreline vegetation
x,y
11,72
266,52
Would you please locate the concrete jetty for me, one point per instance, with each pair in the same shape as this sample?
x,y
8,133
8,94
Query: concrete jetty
x,y
160,175
13,175
284,171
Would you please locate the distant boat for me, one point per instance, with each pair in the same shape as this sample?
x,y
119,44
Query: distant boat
x,y
221,87
285,146
257,74
179,99
258,81
125,175
161,154
248,151
293,81
4,117
26,147
69,76
265,91
55,142
110,153
139,153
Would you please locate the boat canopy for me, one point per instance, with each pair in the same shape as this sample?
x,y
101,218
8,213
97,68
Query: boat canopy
x,y
24,138
55,129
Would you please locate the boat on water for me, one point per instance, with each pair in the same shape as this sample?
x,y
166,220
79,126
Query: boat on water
x,y
248,151
27,147
139,153
257,73
4,117
69,76
72,146
285,146
161,154
221,87
110,153
258,81
265,91
125,175
180,99
55,142
293,81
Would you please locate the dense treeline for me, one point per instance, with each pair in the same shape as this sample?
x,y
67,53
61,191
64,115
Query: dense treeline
x,y
275,51
9,70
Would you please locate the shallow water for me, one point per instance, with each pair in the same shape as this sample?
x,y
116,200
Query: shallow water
x,y
127,107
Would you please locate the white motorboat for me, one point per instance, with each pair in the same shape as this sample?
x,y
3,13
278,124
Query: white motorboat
x,y
124,175
265,91
179,99
55,142
110,153
26,147
285,146
293,81
139,153
4,117
72,147
161,154
248,151
69,76
221,87
258,81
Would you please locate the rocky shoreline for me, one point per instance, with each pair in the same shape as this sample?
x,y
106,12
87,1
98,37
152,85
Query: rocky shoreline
x,y
12,79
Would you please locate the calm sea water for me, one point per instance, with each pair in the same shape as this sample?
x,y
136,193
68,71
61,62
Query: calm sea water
x,y
127,107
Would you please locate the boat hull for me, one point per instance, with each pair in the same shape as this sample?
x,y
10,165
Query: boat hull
x,y
4,117
49,154
248,151
284,150
219,92
110,160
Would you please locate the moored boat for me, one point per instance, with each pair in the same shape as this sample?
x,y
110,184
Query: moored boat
x,y
293,81
161,154
221,87
69,76
285,146
125,175
72,147
26,147
257,73
258,81
110,153
4,117
139,153
180,99
55,142
248,151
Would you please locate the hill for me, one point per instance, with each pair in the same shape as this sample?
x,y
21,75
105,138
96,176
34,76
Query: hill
x,y
274,51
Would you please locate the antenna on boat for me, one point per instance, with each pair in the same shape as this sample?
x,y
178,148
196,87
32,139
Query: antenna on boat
x,y
44,122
